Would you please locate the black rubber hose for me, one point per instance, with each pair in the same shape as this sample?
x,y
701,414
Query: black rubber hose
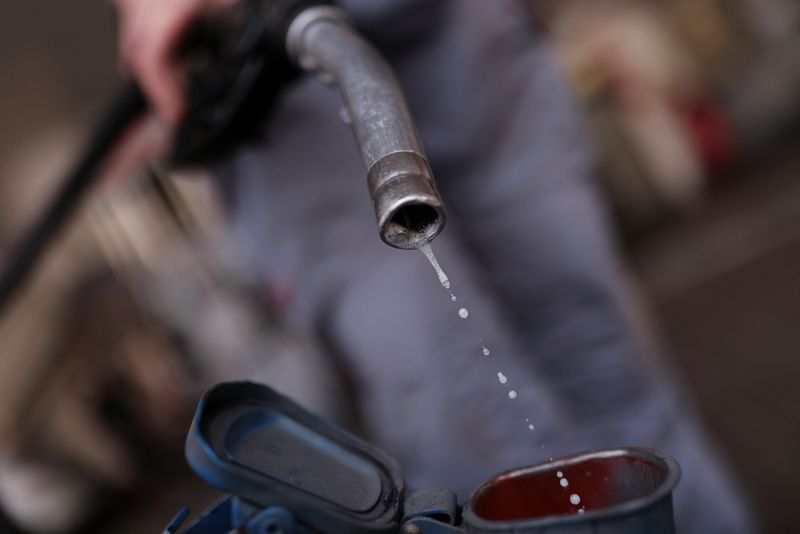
x,y
129,104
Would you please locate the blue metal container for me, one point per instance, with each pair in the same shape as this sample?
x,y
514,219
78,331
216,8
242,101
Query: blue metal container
x,y
288,471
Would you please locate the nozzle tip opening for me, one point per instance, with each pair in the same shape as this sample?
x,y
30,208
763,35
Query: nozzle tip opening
x,y
413,225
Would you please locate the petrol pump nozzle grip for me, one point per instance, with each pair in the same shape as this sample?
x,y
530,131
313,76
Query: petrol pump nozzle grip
x,y
236,65
233,76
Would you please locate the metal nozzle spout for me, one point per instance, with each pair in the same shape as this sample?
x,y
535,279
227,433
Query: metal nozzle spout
x,y
407,205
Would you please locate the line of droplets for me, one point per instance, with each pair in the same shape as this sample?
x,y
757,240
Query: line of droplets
x,y
463,313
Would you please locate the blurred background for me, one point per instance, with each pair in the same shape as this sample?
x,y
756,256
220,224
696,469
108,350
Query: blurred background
x,y
143,303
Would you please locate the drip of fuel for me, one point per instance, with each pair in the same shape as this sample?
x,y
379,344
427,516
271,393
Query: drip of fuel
x,y
463,313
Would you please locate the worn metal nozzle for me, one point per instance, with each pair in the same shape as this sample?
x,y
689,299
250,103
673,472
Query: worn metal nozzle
x,y
407,205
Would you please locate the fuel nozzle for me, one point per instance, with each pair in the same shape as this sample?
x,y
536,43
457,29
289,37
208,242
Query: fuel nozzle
x,y
407,205
257,48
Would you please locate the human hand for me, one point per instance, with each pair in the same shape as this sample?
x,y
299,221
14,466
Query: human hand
x,y
150,34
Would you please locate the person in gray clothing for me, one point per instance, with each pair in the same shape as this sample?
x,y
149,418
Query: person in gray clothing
x,y
527,249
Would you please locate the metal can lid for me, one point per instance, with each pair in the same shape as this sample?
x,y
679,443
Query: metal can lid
x,y
248,440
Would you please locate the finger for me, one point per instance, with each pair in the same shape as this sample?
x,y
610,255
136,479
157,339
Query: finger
x,y
148,38
147,139
163,85
169,66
